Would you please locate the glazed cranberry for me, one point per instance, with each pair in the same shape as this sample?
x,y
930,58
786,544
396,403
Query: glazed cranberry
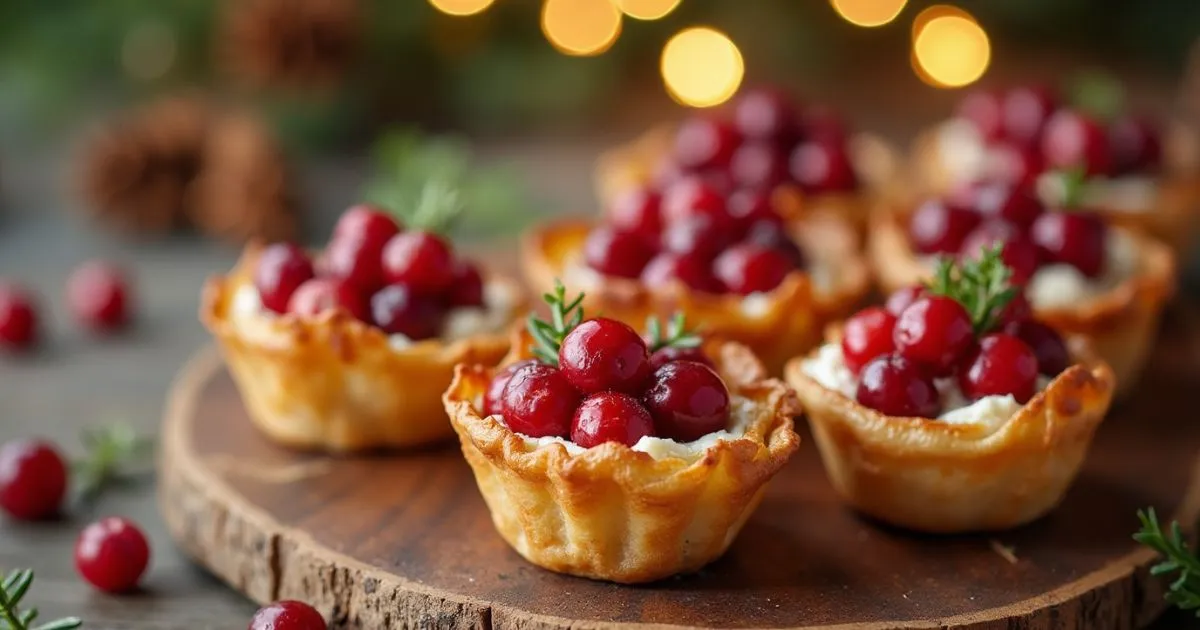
x,y
610,417
822,166
1017,310
896,386
399,310
666,355
111,554
704,142
985,110
823,124
98,295
367,223
902,298
747,268
467,289
493,399
1136,147
938,228
539,401
281,269
1073,140
698,236
1073,238
33,479
747,205
639,211
1017,251
1000,365
419,259
773,235
1011,162
287,615
690,198
687,400
1026,110
322,294
604,354
1015,204
18,318
692,270
867,335
616,253
758,165
355,251
934,330
764,114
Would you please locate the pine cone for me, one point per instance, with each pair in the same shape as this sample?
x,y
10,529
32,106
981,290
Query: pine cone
x,y
290,43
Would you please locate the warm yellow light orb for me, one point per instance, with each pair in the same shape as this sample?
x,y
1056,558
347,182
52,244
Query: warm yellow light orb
x,y
950,49
581,27
461,7
868,12
701,67
646,9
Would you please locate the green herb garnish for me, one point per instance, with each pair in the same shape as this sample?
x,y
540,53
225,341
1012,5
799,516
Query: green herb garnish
x,y
548,335
14,588
1184,592
981,285
677,336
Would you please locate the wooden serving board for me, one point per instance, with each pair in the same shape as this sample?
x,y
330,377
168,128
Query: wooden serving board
x,y
405,540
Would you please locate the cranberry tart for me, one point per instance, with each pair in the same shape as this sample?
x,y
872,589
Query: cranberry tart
x,y
605,455
1138,172
352,350
951,409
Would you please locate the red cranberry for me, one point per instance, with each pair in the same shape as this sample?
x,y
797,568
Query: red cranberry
x,y
1073,140
690,269
1026,110
111,554
610,417
823,124
616,253
896,386
467,289
539,401
983,108
747,205
703,142
33,479
322,294
493,399
698,236
1047,345
867,335
746,268
1017,310
602,354
822,166
937,228
1073,238
1015,204
421,260
758,165
663,356
1136,147
281,269
773,235
367,223
687,400
18,318
98,296
934,330
355,252
287,615
902,298
398,309
1000,365
764,114
1018,252
1017,163
637,210
691,198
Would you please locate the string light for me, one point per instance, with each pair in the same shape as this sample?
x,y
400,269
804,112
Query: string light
x,y
701,67
868,13
581,27
950,49
461,7
646,9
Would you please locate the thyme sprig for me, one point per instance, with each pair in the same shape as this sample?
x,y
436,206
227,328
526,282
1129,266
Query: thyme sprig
x,y
12,590
116,455
676,334
981,285
1184,592
548,335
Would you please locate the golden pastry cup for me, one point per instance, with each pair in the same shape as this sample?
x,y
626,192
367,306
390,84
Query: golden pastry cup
x,y
932,476
332,382
1121,324
792,316
612,513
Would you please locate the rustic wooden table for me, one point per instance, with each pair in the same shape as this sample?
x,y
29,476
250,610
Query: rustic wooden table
x,y
77,381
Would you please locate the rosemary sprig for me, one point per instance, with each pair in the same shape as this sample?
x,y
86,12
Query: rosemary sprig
x,y
1184,592
548,335
981,285
13,589
677,335
116,454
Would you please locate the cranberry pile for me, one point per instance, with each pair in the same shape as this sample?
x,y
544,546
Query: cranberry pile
x,y
969,326
1033,132
1011,216
400,281
599,381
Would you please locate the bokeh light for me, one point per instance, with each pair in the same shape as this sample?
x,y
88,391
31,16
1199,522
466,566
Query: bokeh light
x,y
950,49
581,27
868,12
646,9
461,7
701,67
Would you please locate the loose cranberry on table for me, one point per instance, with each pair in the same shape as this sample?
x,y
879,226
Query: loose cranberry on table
x,y
687,401
604,354
281,269
1000,365
398,309
1136,147
765,114
420,260
692,270
867,335
1073,238
287,615
616,253
639,211
539,401
896,386
99,297
18,318
934,330
1073,140
1026,109
610,417
323,294
112,554
355,252
467,289
705,142
663,356
985,110
33,479
1047,345
938,228
748,268
822,166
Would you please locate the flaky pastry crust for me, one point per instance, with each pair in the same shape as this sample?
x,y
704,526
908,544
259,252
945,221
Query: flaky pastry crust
x,y
933,476
612,513
1121,324
333,382
788,320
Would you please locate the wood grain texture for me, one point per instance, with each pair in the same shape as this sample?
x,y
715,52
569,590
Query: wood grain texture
x,y
405,540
